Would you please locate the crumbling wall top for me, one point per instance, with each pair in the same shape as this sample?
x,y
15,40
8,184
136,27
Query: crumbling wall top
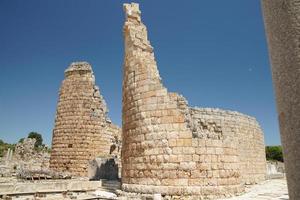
x,y
78,66
132,11
222,112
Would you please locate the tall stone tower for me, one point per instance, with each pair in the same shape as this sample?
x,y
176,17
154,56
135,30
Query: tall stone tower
x,y
82,130
173,149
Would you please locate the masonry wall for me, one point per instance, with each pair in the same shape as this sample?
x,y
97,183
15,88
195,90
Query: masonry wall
x,y
169,148
250,145
82,130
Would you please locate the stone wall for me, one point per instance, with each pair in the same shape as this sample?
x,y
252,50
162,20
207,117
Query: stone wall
x,y
169,148
82,129
219,124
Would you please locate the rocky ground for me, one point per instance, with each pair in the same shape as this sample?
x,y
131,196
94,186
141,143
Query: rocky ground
x,y
275,189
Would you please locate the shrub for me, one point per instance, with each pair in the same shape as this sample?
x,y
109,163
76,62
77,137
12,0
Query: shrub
x,y
21,140
274,153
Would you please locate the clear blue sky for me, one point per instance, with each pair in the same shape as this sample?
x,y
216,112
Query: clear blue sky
x,y
213,52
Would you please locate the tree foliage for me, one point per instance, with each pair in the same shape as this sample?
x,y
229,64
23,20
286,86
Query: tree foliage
x,y
21,140
274,153
38,137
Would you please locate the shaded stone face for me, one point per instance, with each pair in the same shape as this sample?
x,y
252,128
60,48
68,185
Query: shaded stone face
x,y
282,23
82,130
170,148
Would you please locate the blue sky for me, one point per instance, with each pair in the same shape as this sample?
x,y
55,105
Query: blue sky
x,y
212,52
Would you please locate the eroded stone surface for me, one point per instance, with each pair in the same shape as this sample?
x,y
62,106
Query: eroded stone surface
x,y
282,22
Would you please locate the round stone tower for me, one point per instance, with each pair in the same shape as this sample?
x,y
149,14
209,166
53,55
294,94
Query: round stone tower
x,y
81,130
172,149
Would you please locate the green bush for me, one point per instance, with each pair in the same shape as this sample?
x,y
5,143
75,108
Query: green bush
x,y
274,153
21,140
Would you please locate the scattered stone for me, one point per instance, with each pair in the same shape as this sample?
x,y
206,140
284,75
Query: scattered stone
x,y
104,194
42,174
25,150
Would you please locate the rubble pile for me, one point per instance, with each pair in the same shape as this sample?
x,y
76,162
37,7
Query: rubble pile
x,y
25,157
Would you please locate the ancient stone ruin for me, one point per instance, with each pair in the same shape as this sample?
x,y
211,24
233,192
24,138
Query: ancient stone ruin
x,y
82,129
169,149
25,157
167,146
172,149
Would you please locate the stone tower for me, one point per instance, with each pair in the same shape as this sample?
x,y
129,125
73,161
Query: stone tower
x,y
82,130
173,149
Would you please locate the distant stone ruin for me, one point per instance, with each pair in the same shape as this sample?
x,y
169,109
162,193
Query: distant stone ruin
x,y
24,158
275,170
82,129
172,149
25,149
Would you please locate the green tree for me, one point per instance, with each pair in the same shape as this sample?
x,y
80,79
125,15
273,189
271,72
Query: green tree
x,y
38,137
274,153
21,140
